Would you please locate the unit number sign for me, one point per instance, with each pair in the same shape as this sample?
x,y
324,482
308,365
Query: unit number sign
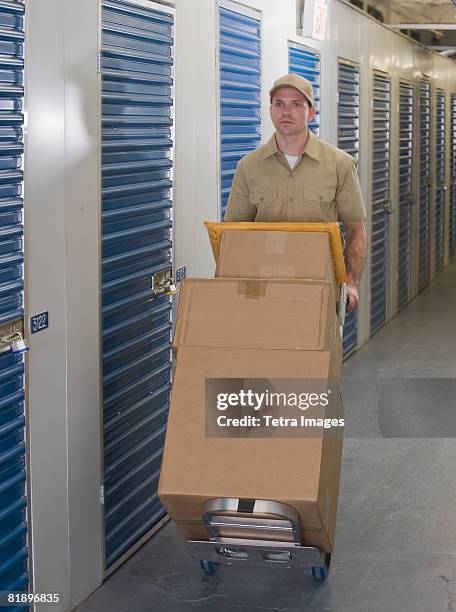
x,y
39,322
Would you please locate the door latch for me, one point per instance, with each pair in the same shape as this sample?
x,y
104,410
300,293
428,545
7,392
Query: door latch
x,y
387,207
14,342
162,283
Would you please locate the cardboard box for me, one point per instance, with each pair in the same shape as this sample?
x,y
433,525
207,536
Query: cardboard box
x,y
267,314
217,229
275,254
300,471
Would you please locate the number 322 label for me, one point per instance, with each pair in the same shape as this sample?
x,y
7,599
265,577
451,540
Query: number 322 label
x,y
39,322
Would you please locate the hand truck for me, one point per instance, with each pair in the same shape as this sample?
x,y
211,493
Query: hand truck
x,y
255,532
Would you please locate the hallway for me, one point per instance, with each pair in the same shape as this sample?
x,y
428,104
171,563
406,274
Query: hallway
x,y
396,541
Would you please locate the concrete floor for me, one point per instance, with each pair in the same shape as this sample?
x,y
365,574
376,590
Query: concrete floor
x,y
396,539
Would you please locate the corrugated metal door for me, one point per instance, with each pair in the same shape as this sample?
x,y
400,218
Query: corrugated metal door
x,y
240,92
13,500
348,140
136,67
452,221
425,182
439,178
405,193
306,63
380,199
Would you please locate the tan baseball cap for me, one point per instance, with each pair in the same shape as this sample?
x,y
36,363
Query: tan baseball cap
x,y
296,81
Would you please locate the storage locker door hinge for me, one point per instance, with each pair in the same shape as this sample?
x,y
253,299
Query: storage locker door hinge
x,y
99,62
102,495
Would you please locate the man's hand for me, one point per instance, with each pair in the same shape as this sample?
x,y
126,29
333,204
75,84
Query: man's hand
x,y
355,254
352,296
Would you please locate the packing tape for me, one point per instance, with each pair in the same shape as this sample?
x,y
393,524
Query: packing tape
x,y
252,289
276,243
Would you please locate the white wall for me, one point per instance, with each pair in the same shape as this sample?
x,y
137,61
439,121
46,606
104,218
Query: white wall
x,y
46,290
196,176
82,252
62,255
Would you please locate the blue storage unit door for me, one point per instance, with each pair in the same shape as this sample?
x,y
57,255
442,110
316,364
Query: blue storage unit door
x,y
380,199
439,191
136,67
425,183
306,63
13,477
452,221
348,140
405,193
240,93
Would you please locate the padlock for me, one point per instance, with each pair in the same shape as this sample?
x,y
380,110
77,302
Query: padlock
x,y
171,289
18,346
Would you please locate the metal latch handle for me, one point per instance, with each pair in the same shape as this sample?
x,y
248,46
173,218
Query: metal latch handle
x,y
162,283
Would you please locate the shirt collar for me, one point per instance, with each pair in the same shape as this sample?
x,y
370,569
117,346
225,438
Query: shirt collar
x,y
311,148
271,147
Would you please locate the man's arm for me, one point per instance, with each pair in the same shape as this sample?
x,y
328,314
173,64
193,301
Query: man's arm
x,y
352,212
355,253
239,208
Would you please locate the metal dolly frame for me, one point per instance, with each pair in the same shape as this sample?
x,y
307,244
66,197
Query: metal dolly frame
x,y
227,518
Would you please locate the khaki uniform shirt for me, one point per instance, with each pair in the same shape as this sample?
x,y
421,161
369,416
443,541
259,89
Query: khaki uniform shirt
x,y
323,186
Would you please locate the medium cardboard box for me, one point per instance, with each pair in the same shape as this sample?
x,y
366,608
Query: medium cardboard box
x,y
275,254
300,471
268,314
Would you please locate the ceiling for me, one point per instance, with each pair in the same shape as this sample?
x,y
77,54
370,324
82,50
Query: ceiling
x,y
419,11
432,12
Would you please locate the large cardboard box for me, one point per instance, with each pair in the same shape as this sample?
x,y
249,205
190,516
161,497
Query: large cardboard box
x,y
300,471
217,229
267,314
275,254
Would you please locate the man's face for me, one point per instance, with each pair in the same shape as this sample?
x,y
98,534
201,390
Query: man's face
x,y
290,112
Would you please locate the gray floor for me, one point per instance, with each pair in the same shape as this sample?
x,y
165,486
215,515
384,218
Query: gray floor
x,y
396,540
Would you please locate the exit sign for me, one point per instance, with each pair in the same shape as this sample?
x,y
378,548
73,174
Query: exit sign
x,y
319,20
314,17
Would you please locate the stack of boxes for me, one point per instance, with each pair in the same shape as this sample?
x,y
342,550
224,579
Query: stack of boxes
x,y
269,314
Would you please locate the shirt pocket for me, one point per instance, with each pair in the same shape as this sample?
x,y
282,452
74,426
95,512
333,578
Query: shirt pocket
x,y
324,193
267,205
321,201
262,197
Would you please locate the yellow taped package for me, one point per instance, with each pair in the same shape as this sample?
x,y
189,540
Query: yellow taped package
x,y
215,230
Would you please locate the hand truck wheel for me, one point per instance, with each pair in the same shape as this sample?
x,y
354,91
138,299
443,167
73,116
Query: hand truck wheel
x,y
320,572
208,567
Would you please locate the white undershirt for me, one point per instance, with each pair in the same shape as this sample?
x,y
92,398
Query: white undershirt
x,y
292,159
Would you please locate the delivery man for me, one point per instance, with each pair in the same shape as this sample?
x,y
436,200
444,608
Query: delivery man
x,y
296,176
